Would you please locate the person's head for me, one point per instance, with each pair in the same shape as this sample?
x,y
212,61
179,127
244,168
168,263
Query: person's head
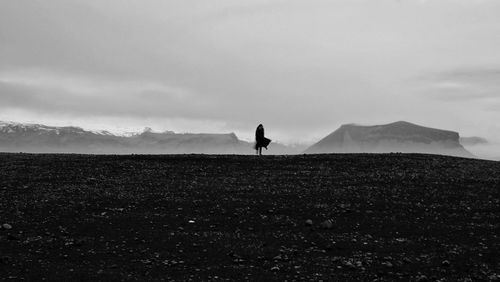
x,y
260,126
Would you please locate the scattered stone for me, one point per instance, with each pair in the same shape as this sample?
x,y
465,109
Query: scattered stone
x,y
388,264
422,278
275,268
349,265
191,222
7,226
327,224
309,222
445,263
494,277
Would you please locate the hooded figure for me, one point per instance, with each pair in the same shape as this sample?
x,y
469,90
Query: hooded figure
x,y
260,140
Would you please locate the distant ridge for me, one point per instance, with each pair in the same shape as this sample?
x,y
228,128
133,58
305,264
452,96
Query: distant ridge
x,y
38,138
398,136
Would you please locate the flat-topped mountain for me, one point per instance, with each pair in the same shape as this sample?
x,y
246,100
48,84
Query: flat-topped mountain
x,y
399,136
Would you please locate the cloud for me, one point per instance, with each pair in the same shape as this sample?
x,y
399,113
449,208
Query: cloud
x,y
464,84
45,92
299,67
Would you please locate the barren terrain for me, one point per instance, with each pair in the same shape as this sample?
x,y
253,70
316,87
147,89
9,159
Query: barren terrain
x,y
210,217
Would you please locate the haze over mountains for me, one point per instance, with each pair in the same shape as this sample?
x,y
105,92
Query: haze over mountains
x,y
37,138
400,136
473,141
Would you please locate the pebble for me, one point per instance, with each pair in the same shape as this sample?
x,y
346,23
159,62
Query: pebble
x,y
7,226
422,278
494,277
327,224
309,222
349,265
445,263
388,264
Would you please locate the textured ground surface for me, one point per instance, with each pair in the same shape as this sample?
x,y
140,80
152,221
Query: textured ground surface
x,y
192,217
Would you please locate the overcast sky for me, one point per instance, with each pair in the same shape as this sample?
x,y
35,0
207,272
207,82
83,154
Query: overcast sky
x,y
302,68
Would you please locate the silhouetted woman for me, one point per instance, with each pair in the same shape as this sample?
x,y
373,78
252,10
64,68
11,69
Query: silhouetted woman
x,y
260,140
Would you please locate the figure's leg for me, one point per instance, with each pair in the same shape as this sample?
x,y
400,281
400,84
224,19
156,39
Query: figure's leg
x,y
260,151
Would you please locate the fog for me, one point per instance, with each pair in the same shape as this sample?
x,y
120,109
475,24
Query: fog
x,y
489,151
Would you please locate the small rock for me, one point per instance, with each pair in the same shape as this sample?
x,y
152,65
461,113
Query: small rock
x,y
422,278
349,265
275,268
309,222
7,226
494,277
445,263
388,264
327,224
191,221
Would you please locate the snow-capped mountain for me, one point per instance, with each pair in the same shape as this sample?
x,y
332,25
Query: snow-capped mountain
x,y
38,138
15,127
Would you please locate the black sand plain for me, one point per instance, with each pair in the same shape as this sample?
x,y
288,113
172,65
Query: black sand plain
x,y
339,217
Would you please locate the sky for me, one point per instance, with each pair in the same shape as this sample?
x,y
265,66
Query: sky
x,y
301,68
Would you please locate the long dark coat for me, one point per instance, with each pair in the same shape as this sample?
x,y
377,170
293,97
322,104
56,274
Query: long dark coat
x,y
260,140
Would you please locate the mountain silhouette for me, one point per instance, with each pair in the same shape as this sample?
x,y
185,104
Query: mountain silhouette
x,y
399,136
38,138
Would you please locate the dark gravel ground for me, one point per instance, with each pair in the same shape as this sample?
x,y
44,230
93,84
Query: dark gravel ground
x,y
357,217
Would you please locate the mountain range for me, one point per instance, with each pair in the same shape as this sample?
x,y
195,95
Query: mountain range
x,y
399,136
38,138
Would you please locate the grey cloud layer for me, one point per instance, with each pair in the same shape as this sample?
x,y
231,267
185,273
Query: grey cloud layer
x,y
305,65
465,84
